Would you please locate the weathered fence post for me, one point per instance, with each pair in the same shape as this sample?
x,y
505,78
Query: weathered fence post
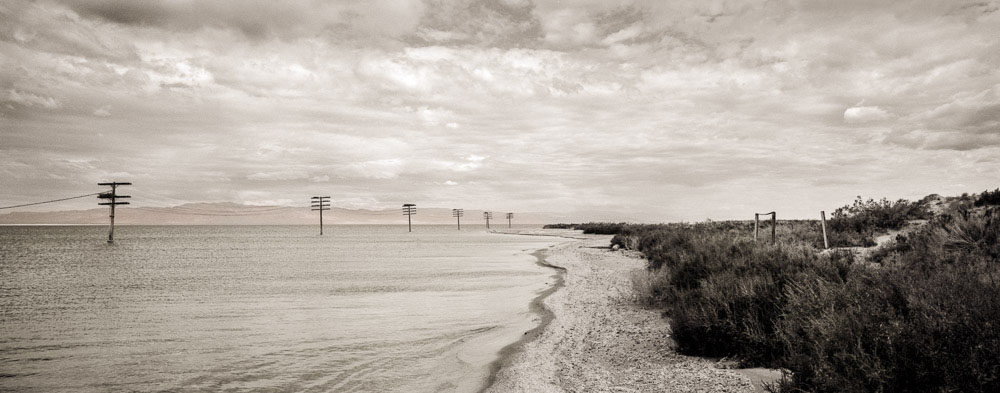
x,y
756,223
774,225
822,217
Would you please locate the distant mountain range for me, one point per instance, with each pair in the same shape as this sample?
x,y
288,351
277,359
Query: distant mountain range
x,y
236,214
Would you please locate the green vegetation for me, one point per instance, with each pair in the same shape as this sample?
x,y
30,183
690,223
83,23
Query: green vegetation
x,y
921,314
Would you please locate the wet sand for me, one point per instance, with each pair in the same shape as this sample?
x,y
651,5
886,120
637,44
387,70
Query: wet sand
x,y
594,338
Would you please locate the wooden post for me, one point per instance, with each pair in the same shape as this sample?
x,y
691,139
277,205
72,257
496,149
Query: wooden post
x,y
774,226
756,224
822,217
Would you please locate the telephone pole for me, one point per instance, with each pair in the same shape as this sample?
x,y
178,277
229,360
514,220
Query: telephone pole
x,y
113,197
409,210
320,203
458,213
510,216
487,216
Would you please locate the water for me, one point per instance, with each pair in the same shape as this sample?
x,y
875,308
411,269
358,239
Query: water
x,y
201,308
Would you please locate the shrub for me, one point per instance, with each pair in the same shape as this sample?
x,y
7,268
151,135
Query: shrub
x,y
923,322
856,224
601,228
988,198
923,317
722,291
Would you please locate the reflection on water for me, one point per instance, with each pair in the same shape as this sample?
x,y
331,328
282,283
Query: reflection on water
x,y
364,308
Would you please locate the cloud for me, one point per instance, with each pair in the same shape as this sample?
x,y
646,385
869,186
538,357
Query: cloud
x,y
262,19
104,111
28,99
865,114
685,109
279,175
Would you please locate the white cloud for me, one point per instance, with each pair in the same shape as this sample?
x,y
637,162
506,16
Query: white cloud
x,y
29,99
104,111
865,114
278,175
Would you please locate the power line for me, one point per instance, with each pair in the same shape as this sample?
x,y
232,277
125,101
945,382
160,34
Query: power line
x,y
54,200
217,214
249,209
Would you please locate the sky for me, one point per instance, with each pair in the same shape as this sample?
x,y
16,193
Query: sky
x,y
644,110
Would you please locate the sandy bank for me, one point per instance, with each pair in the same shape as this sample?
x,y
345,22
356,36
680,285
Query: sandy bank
x,y
598,340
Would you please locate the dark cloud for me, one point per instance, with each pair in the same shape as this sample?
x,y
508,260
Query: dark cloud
x,y
495,23
262,19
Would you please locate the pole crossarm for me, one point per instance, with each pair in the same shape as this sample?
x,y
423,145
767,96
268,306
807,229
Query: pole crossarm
x,y
113,197
320,204
409,210
458,214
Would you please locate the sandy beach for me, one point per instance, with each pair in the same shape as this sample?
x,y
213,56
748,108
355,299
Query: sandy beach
x,y
594,338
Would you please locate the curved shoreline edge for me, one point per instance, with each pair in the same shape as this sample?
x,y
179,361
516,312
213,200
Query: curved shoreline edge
x,y
595,338
536,306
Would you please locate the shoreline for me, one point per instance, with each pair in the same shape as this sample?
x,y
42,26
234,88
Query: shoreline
x,y
593,337
536,306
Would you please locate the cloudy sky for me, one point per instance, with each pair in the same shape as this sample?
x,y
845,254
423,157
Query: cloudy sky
x,y
679,110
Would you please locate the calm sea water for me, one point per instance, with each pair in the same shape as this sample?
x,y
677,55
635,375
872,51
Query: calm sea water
x,y
266,308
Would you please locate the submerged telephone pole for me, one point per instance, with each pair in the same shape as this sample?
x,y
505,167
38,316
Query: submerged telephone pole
x,y
458,213
510,216
409,210
113,197
487,216
320,203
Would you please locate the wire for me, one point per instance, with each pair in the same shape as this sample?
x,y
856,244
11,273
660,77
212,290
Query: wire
x,y
260,209
224,214
54,200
